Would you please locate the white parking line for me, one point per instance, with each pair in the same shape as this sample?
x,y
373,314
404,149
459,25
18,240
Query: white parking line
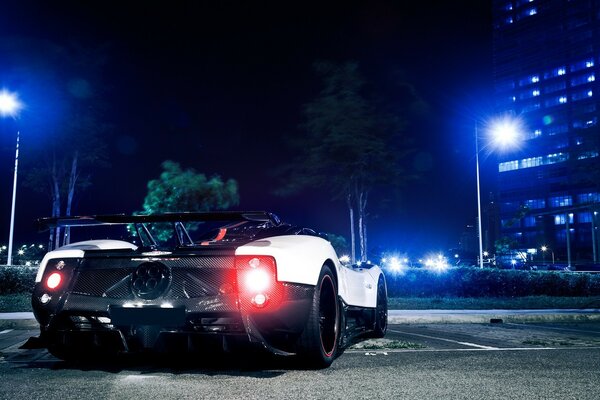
x,y
553,328
6,331
446,340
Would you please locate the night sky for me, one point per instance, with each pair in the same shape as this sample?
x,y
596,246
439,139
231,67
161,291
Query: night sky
x,y
219,86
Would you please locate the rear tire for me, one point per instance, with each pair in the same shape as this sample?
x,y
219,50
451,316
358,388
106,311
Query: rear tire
x,y
318,343
381,311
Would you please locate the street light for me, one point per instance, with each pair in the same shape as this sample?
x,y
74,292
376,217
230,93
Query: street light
x,y
9,107
504,132
544,250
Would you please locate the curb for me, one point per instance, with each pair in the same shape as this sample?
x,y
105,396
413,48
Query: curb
x,y
491,316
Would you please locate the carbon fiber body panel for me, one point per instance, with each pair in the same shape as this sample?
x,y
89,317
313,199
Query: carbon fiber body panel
x,y
141,303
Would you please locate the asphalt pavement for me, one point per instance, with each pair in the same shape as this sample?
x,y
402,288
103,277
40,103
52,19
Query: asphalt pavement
x,y
414,361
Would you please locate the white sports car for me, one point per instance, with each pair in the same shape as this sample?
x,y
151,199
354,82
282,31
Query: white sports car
x,y
198,281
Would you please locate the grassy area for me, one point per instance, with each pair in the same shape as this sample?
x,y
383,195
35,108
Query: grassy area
x,y
15,302
486,303
22,302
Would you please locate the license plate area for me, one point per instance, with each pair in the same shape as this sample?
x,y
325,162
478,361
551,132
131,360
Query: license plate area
x,y
147,316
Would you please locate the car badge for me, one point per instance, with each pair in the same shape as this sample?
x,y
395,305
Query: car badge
x,y
60,265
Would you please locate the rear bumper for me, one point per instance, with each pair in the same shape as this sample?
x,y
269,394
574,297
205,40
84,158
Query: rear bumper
x,y
88,323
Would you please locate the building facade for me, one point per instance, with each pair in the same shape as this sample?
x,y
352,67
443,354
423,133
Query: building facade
x,y
546,67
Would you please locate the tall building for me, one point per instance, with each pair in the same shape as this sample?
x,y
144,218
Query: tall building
x,y
546,62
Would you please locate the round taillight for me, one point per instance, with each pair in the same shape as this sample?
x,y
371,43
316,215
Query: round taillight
x,y
53,280
260,300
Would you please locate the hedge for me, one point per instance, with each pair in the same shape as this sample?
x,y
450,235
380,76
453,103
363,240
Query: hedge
x,y
487,282
16,279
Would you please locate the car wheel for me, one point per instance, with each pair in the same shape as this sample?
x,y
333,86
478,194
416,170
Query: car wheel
x,y
381,310
318,343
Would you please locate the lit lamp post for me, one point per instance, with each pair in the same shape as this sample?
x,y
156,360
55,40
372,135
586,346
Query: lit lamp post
x,y
544,250
504,133
9,107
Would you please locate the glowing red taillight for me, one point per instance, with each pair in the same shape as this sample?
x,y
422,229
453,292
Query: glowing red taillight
x,y
53,280
257,281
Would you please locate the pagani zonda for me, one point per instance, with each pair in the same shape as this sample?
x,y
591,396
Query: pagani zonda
x,y
227,278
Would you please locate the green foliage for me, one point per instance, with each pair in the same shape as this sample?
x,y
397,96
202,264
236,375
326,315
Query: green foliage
x,y
17,279
178,190
487,282
348,144
338,242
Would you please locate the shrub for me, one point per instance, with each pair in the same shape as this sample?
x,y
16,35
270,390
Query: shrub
x,y
487,282
16,279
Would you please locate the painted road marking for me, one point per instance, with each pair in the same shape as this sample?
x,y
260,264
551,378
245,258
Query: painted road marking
x,y
554,328
6,331
446,340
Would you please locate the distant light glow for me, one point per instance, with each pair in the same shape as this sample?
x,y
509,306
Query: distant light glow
x,y
562,99
590,93
562,71
535,79
506,131
345,259
533,11
21,252
9,104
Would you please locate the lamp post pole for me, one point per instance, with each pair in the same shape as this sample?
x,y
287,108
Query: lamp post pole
x,y
10,106
14,199
478,200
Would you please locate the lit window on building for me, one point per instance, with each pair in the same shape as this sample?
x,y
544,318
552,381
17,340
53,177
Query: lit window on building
x,y
592,197
584,217
556,129
561,219
582,65
587,154
532,11
585,123
562,99
535,79
561,201
514,98
582,79
529,221
561,71
582,94
535,204
532,162
535,92
509,20
509,7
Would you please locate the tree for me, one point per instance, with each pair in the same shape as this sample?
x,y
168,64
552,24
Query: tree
x,y
350,147
178,190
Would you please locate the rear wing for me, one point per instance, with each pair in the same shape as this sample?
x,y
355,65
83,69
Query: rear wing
x,y
45,224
